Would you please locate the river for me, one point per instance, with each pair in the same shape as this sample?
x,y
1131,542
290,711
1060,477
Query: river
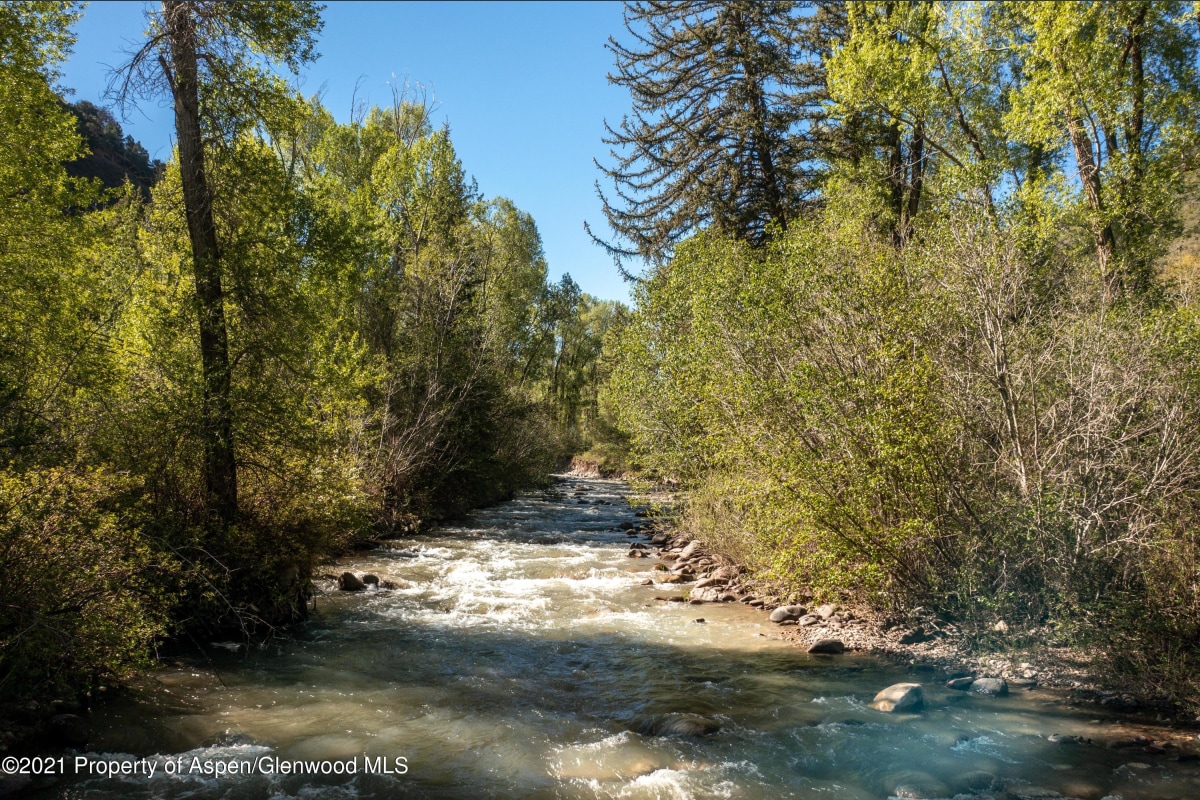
x,y
520,656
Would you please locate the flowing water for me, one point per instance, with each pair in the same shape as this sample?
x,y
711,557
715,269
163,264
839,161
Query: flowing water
x,y
520,657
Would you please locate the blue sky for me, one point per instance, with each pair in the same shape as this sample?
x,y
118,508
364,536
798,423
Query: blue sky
x,y
523,86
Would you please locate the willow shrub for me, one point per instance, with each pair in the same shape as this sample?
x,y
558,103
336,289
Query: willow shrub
x,y
800,378
85,593
957,424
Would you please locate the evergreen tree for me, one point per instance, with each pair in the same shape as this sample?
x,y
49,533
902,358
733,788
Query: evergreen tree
x,y
726,121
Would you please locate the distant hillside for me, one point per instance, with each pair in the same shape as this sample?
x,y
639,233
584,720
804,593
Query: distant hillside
x,y
114,156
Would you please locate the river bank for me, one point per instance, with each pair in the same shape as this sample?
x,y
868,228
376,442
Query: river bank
x,y
524,652
929,645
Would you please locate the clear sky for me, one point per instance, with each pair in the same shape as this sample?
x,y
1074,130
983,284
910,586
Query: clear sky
x,y
523,86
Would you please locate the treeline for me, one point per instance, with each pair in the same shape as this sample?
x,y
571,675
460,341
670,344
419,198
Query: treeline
x,y
295,336
920,326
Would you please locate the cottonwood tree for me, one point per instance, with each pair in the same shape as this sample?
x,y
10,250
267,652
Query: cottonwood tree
x,y
1114,84
206,55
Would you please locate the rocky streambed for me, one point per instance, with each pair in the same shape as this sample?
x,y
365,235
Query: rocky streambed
x,y
560,646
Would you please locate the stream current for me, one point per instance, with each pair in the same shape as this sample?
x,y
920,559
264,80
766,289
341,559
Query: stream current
x,y
520,657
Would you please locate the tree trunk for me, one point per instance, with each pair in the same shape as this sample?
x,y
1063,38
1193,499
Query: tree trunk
x,y
220,467
1089,176
916,180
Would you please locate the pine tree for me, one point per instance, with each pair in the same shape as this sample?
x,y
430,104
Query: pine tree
x,y
726,121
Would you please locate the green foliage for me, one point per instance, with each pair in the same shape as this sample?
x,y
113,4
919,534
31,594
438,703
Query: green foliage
x,y
963,384
395,351
952,424
83,591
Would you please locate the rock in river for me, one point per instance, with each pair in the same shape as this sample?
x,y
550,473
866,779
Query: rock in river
x,y
995,687
349,582
910,785
677,725
708,594
899,698
785,613
960,684
827,646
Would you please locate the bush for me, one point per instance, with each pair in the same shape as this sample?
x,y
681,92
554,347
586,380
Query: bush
x,y
968,423
83,596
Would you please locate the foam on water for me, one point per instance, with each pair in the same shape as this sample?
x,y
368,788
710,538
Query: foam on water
x,y
520,657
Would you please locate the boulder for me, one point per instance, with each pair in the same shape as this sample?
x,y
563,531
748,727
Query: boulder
x,y
996,687
370,579
726,573
826,611
785,613
349,582
1065,738
707,594
960,684
689,551
678,725
899,698
827,647
808,619
977,781
709,581
911,785
658,538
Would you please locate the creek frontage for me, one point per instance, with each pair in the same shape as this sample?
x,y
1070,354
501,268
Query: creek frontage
x,y
520,654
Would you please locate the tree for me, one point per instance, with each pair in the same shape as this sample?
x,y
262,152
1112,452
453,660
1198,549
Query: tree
x,y
40,337
1116,84
203,52
919,86
726,110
